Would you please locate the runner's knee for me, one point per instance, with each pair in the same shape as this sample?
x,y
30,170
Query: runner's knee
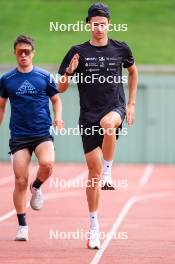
x,y
107,124
95,172
46,165
21,183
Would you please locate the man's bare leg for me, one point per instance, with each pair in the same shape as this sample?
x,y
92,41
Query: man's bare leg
x,y
93,160
109,122
21,160
46,155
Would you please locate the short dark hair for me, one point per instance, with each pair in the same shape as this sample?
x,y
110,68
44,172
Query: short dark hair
x,y
98,13
24,39
98,9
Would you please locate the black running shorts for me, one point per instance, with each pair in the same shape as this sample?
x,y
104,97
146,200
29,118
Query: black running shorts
x,y
17,144
93,140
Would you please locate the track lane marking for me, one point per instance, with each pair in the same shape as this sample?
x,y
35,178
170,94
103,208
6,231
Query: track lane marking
x,y
48,197
148,171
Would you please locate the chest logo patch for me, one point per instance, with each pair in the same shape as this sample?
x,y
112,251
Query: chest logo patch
x,y
26,88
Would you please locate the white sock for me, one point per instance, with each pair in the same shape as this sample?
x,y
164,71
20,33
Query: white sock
x,y
93,220
107,167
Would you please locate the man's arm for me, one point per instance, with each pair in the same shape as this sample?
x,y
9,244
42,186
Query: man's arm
x,y
65,79
132,86
3,102
57,109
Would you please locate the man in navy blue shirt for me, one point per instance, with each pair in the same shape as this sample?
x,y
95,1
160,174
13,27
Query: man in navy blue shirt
x,y
28,89
99,63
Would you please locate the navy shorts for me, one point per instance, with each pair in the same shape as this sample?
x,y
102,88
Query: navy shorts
x,y
17,144
91,141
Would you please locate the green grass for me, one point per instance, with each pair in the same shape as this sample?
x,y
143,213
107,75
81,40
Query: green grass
x,y
150,34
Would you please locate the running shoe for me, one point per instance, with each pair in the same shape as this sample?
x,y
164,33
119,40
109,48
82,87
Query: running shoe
x,y
37,199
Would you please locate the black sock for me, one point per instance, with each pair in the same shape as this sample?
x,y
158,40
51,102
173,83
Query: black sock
x,y
22,219
37,183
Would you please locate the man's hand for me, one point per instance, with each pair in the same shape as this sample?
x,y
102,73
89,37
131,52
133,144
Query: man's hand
x,y
73,64
63,86
130,114
58,122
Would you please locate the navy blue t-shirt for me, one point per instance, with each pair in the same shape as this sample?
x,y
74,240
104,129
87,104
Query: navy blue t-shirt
x,y
29,99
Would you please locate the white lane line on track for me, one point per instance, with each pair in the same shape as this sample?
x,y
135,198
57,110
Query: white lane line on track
x,y
145,177
49,196
121,216
10,177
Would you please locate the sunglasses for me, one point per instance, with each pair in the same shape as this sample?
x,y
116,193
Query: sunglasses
x,y
20,52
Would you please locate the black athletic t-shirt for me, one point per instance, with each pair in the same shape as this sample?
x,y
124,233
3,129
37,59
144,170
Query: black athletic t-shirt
x,y
100,77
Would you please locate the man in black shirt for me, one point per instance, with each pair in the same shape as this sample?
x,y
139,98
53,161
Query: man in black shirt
x,y
98,65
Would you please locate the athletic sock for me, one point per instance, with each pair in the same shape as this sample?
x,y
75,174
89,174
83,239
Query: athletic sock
x,y
93,220
22,219
37,183
107,167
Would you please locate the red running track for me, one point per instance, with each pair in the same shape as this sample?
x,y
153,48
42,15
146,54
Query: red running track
x,y
137,219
